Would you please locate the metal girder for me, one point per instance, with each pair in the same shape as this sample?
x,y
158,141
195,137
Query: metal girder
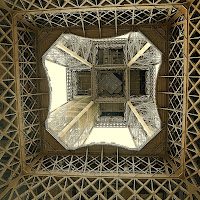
x,y
96,8
75,119
140,53
133,43
191,144
140,119
73,54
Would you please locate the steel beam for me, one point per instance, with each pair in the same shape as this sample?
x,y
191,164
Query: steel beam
x,y
140,119
71,124
73,54
140,53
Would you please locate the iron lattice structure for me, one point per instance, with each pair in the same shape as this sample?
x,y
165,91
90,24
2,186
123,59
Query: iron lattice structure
x,y
29,172
77,54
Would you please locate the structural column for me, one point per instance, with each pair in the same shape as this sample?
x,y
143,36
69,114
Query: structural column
x,y
18,91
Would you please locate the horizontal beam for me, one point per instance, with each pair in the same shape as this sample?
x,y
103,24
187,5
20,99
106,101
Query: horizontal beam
x,y
73,54
112,66
71,124
140,53
110,100
168,93
140,119
101,175
95,29
95,8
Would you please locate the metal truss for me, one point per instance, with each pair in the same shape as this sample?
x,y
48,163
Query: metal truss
x,y
111,122
10,156
134,44
149,112
59,54
71,84
77,53
50,4
28,90
75,118
176,89
193,100
102,17
103,164
149,115
99,188
25,172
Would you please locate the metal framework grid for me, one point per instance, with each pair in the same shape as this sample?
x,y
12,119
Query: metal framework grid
x,y
28,174
78,53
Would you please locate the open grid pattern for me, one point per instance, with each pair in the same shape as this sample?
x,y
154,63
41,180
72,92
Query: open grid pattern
x,y
60,123
75,52
50,4
89,163
176,75
102,18
55,187
70,85
28,90
193,115
131,50
107,121
71,186
81,46
10,163
136,129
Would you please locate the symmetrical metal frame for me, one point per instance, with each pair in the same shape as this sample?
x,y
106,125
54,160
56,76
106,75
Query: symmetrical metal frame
x,y
79,54
25,172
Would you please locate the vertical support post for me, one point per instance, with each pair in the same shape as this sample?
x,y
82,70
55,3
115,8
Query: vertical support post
x,y
101,166
18,91
94,83
116,31
86,160
133,164
127,84
99,24
117,159
167,83
40,97
185,91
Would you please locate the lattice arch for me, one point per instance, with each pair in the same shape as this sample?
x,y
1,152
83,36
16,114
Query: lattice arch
x,y
27,172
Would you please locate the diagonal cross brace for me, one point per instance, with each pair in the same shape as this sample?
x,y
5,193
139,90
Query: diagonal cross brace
x,y
140,119
140,53
73,54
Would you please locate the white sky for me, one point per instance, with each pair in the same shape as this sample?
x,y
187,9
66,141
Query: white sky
x,y
119,136
57,74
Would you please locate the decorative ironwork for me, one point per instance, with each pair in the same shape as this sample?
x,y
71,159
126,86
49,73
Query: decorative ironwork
x,y
28,174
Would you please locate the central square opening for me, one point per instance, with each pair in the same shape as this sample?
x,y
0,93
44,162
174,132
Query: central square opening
x,y
111,83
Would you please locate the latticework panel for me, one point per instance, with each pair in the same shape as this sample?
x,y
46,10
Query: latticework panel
x,y
81,46
101,164
176,81
102,18
28,89
193,112
91,176
56,187
50,4
10,166
111,122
